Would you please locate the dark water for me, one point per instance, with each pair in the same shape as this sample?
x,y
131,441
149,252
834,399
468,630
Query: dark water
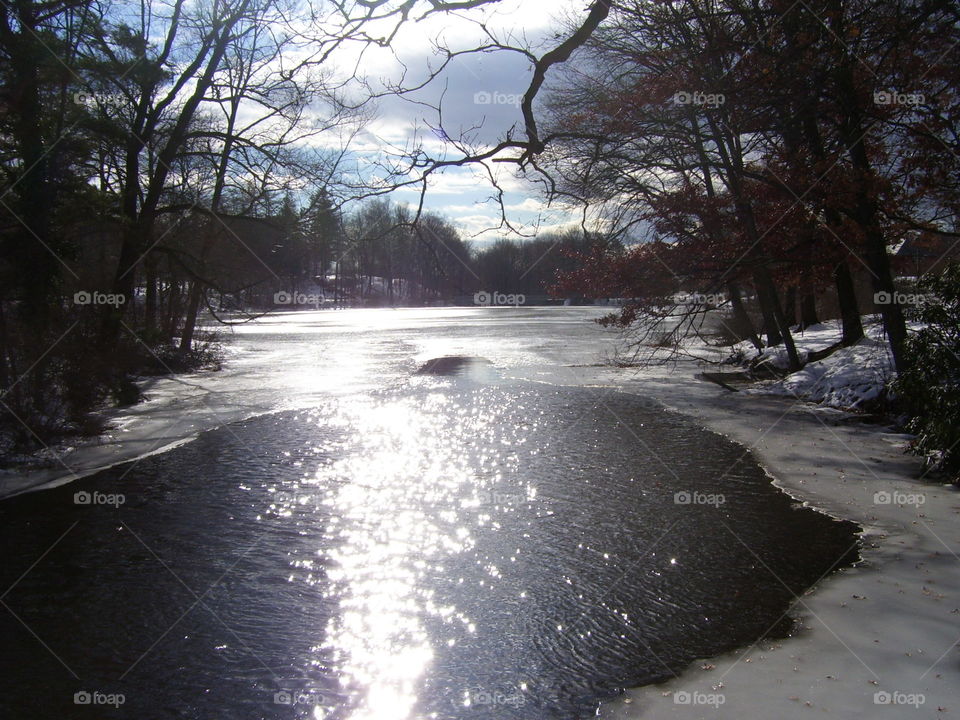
x,y
442,550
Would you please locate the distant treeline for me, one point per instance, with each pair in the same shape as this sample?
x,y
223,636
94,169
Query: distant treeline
x,y
380,255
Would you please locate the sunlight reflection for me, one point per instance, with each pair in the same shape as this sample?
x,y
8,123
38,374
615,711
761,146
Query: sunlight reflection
x,y
393,506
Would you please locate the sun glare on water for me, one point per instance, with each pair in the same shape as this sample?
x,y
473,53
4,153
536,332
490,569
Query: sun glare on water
x,y
390,525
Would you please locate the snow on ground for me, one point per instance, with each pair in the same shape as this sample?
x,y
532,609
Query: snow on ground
x,y
849,378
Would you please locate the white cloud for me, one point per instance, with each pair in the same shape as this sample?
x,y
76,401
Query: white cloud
x,y
529,205
475,224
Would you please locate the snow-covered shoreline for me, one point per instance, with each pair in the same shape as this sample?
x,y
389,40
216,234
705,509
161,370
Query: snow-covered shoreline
x,y
890,625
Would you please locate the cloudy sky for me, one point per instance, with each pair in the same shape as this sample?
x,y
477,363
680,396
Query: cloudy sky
x,y
480,94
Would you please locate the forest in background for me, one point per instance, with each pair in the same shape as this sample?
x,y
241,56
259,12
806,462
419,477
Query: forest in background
x,y
163,160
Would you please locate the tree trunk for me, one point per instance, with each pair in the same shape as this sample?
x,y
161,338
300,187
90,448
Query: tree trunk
x,y
36,264
740,316
770,326
865,211
5,374
894,322
847,299
173,311
124,283
150,299
190,321
790,305
336,287
808,310
776,323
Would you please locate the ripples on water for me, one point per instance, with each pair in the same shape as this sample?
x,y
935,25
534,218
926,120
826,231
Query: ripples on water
x,y
445,550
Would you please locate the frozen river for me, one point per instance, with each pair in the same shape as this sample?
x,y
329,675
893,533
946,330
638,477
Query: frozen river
x,y
361,541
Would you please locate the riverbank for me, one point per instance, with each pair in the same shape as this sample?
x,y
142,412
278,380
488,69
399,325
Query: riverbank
x,y
882,633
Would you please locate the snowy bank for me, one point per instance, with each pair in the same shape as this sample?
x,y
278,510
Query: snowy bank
x,y
849,378
876,640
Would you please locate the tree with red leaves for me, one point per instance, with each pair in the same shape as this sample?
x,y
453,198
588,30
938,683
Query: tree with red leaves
x,y
772,146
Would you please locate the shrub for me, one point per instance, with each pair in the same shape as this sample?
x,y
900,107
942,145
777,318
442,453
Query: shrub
x,y
929,388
